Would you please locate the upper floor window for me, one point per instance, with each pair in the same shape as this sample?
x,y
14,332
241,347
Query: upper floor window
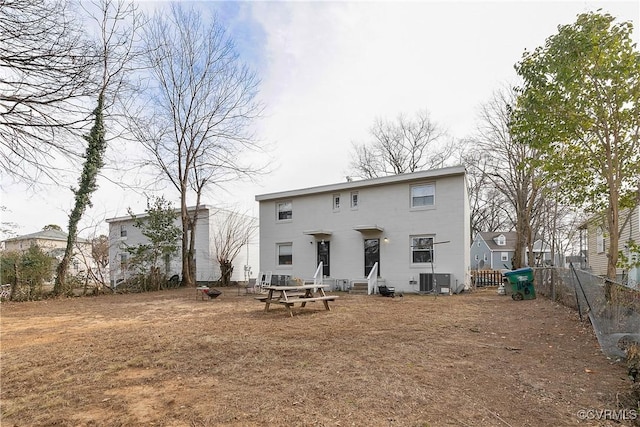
x,y
501,240
600,244
123,231
284,211
354,200
421,249
504,256
336,202
423,195
285,254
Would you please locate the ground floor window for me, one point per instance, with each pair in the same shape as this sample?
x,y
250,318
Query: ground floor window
x,y
285,253
421,249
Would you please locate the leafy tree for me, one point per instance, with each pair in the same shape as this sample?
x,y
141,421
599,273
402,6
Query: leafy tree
x,y
580,105
27,271
199,108
401,146
632,260
158,226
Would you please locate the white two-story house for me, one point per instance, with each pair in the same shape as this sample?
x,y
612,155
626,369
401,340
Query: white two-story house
x,y
123,234
412,227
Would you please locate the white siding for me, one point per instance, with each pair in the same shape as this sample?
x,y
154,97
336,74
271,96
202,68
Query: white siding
x,y
207,268
386,205
597,258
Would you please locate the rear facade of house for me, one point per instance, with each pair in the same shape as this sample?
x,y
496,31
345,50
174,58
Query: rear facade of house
x,y
123,234
414,227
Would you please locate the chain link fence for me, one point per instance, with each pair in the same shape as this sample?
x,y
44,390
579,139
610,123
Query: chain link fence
x,y
612,308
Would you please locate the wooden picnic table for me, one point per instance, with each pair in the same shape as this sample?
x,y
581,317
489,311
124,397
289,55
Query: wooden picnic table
x,y
290,295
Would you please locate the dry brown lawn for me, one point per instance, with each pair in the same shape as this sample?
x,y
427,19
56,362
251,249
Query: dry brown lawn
x,y
169,359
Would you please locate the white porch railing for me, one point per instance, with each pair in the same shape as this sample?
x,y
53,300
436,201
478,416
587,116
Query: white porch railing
x,y
372,279
317,276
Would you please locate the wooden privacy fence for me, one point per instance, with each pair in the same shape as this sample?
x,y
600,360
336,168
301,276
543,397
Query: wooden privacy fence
x,y
486,277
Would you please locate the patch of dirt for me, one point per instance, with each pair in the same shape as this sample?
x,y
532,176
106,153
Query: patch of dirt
x,y
171,359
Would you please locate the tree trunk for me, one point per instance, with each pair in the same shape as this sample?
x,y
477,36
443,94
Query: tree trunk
x,y
96,146
614,238
226,270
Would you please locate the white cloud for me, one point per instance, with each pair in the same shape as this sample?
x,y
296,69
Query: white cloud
x,y
330,68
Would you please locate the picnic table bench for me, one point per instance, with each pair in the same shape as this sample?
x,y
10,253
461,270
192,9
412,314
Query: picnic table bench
x,y
291,295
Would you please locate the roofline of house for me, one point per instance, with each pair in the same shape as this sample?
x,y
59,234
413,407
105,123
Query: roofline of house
x,y
598,218
177,210
145,214
373,182
36,235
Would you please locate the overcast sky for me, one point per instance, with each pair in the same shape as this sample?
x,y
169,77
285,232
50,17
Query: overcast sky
x,y
329,69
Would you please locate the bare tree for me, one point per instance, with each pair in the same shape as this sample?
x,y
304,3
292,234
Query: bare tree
x,y
233,232
199,105
46,69
489,209
118,21
401,146
100,255
511,170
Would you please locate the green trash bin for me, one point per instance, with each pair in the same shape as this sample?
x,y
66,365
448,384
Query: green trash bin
x,y
521,283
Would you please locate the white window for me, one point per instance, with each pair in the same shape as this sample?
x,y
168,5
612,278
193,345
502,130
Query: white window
x,y
354,200
501,240
123,260
284,211
421,249
285,254
423,195
504,256
486,257
336,202
477,257
600,246
123,231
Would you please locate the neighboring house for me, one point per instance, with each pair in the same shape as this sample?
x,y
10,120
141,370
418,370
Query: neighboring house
x,y
493,250
123,234
54,243
412,225
598,241
578,261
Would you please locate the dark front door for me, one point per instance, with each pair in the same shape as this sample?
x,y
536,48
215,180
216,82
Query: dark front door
x,y
371,255
323,257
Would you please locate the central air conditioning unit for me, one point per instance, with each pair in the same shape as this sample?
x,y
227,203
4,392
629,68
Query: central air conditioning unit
x,y
442,283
